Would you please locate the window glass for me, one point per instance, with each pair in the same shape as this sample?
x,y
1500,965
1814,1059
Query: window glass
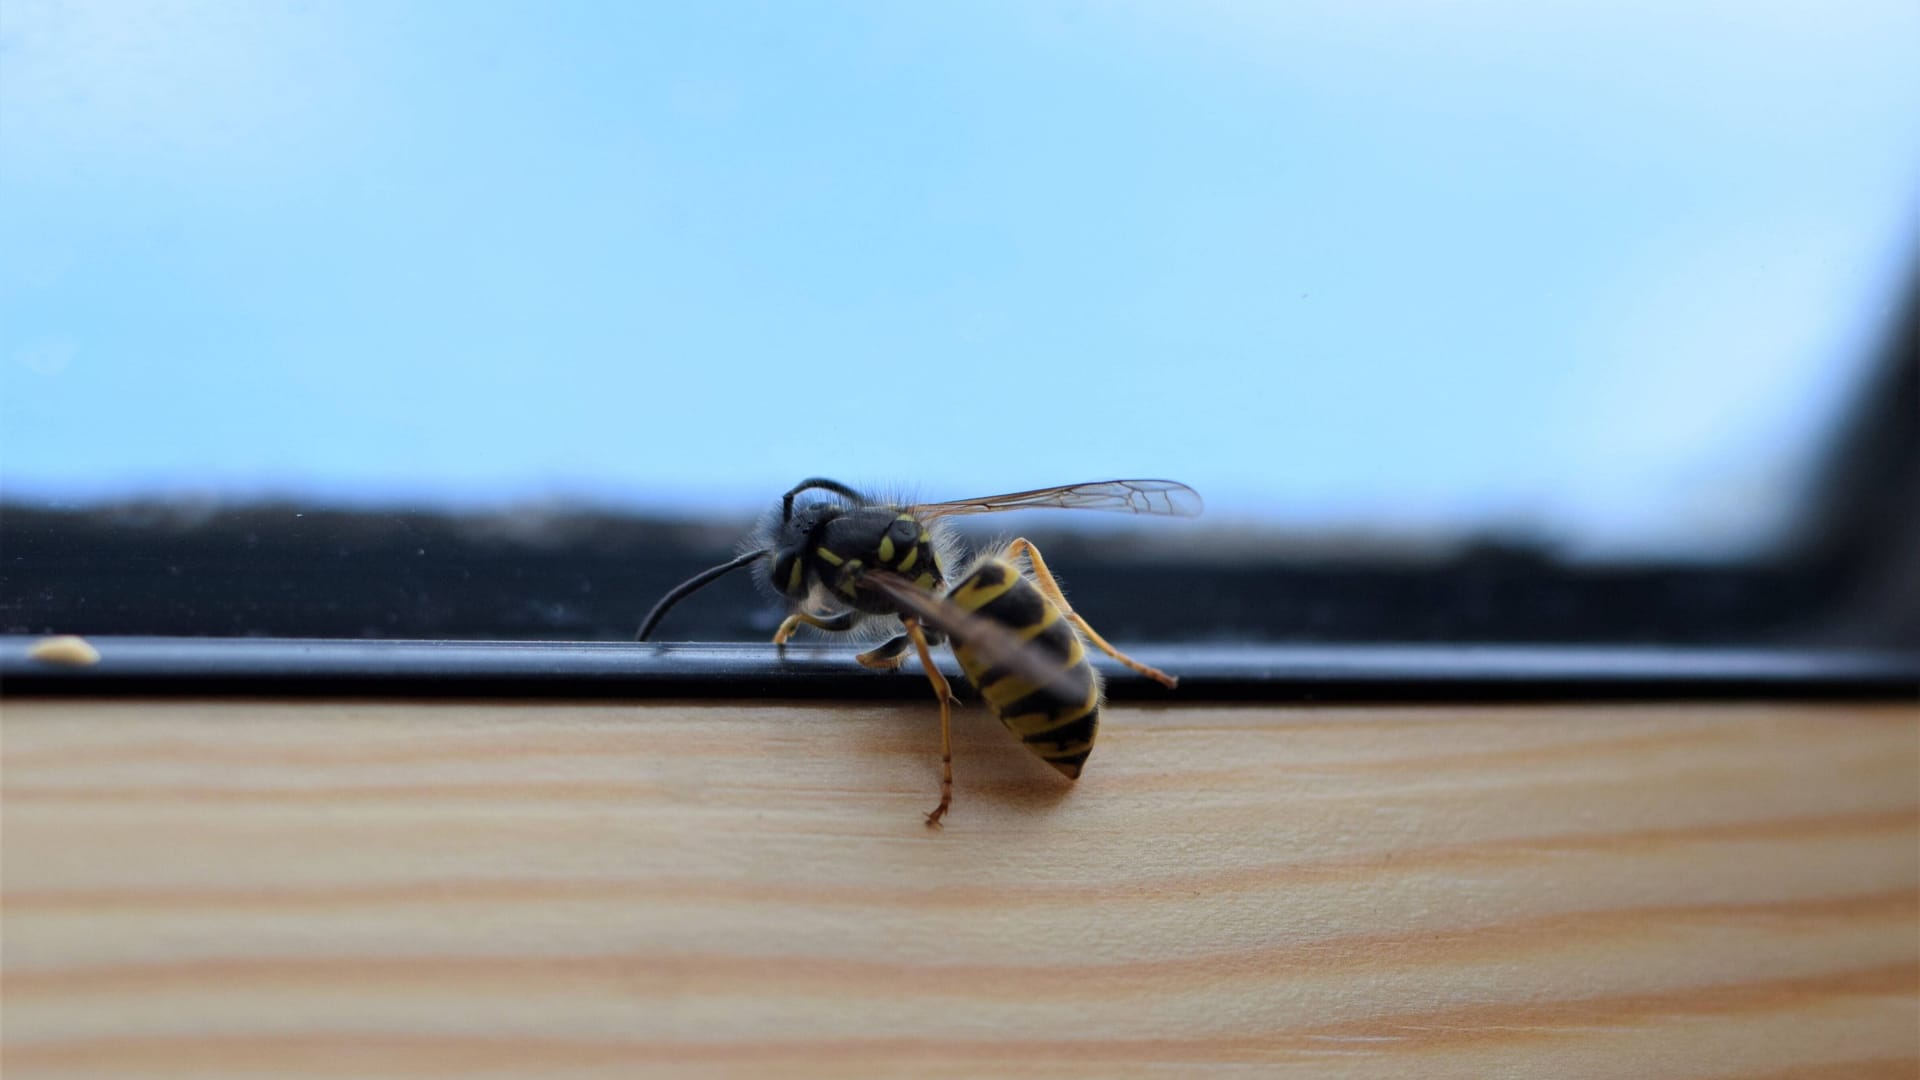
x,y
1606,282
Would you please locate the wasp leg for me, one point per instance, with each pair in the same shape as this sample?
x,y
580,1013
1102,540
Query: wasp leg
x,y
893,652
835,623
887,656
945,694
1051,588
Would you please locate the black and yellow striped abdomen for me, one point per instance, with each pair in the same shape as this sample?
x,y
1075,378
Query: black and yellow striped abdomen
x,y
1058,720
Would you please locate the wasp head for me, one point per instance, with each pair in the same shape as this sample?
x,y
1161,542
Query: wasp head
x,y
795,536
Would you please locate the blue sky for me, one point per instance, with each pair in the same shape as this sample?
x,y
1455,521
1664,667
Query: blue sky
x,y
1599,271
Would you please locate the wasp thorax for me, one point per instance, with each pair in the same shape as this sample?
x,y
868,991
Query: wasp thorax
x,y
862,541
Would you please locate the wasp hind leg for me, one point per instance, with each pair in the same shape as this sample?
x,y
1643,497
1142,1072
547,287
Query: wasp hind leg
x,y
1051,588
945,693
837,624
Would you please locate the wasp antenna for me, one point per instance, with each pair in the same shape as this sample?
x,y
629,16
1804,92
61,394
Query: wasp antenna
x,y
690,586
822,484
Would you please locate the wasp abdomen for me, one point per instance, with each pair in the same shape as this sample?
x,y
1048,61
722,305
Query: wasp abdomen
x,y
1057,720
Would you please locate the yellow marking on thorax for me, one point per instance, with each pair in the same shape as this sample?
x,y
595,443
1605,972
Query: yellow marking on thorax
x,y
886,549
828,556
906,561
849,586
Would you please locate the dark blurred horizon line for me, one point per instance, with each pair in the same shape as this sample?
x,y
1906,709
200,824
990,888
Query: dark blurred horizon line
x,y
558,521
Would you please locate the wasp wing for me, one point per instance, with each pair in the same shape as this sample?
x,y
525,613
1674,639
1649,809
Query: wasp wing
x,y
995,643
1165,497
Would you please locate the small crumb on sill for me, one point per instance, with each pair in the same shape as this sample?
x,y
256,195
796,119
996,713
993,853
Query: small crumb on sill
x,y
65,649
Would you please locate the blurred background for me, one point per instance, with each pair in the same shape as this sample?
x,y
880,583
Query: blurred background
x,y
1581,322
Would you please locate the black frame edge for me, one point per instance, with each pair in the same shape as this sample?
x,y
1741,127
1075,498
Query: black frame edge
x,y
177,667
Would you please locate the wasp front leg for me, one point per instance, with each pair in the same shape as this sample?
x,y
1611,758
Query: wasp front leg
x,y
836,624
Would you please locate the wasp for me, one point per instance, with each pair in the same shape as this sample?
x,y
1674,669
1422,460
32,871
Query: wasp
x,y
842,562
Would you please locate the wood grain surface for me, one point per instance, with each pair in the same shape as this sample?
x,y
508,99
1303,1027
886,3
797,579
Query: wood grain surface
x,y
354,889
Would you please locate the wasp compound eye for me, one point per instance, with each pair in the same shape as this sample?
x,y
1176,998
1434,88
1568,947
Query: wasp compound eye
x,y
788,573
